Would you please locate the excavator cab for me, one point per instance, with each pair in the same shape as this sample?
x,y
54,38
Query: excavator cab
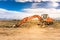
x,y
46,19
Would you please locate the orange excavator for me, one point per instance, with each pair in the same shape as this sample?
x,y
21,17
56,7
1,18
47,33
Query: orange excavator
x,y
44,19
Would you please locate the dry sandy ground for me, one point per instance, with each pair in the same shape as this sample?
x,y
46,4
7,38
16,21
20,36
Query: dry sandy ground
x,y
33,33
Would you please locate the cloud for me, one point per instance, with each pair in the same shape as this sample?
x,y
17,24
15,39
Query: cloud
x,y
52,0
36,0
28,0
34,5
10,14
53,13
55,0
20,0
53,4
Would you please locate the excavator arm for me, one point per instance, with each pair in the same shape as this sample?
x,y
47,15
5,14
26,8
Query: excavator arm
x,y
29,18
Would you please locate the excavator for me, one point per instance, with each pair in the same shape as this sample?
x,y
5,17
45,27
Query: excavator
x,y
44,19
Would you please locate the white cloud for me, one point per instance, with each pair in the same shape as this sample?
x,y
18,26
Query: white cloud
x,y
36,0
55,0
20,0
53,13
10,14
54,4
28,0
52,0
34,5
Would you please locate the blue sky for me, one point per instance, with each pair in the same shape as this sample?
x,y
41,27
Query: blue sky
x,y
17,9
18,6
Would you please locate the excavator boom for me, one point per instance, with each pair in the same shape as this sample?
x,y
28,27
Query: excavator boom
x,y
29,18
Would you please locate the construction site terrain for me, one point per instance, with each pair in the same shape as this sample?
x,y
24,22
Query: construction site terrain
x,y
30,30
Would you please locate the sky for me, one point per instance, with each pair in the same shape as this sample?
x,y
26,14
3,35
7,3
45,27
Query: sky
x,y
18,9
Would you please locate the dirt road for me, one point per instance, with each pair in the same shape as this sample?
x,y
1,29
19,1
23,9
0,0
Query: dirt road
x,y
33,33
